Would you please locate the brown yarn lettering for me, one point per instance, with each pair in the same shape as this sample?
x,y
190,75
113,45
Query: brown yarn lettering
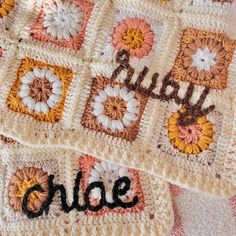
x,y
193,111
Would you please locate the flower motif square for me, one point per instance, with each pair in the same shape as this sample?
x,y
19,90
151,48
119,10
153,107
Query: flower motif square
x,y
96,170
113,109
19,172
204,58
139,28
62,23
196,142
40,90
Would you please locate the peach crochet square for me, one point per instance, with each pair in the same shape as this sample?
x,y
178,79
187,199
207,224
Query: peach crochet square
x,y
63,23
109,173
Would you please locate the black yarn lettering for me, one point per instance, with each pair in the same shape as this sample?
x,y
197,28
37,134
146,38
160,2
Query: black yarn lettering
x,y
121,187
25,210
118,190
102,201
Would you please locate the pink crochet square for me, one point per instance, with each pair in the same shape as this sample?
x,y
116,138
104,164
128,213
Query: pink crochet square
x,y
88,165
77,12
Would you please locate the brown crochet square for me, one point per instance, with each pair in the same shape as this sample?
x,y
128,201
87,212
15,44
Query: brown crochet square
x,y
90,121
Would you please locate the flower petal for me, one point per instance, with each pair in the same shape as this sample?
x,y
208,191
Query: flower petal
x,y
28,78
40,73
44,107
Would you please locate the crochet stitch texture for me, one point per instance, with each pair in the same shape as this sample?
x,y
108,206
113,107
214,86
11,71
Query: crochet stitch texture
x,y
167,107
23,167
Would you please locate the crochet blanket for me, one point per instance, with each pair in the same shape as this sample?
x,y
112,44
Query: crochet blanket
x,y
145,84
103,103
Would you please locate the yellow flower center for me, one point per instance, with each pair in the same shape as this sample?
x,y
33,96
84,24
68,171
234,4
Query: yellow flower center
x,y
133,38
23,187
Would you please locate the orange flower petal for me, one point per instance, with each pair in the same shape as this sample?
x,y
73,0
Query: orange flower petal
x,y
138,53
196,149
207,125
148,35
189,149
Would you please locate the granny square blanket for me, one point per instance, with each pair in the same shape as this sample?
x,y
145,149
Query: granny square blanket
x,y
148,84
61,192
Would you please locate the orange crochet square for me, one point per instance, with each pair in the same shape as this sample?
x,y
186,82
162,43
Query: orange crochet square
x,y
40,90
114,110
108,173
204,58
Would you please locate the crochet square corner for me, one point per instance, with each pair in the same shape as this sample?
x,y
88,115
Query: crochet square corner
x,y
208,6
7,53
8,10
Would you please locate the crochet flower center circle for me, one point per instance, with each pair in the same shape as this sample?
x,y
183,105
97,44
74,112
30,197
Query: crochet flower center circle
x,y
108,178
40,89
63,20
191,133
115,107
24,186
134,35
133,38
191,139
203,59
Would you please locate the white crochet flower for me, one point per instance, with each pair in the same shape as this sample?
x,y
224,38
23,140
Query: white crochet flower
x,y
203,59
63,20
107,173
40,90
115,108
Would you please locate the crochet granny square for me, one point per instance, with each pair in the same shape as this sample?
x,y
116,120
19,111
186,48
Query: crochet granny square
x,y
66,25
65,193
145,84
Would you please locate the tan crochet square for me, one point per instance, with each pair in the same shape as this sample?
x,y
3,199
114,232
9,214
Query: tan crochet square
x,y
198,46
